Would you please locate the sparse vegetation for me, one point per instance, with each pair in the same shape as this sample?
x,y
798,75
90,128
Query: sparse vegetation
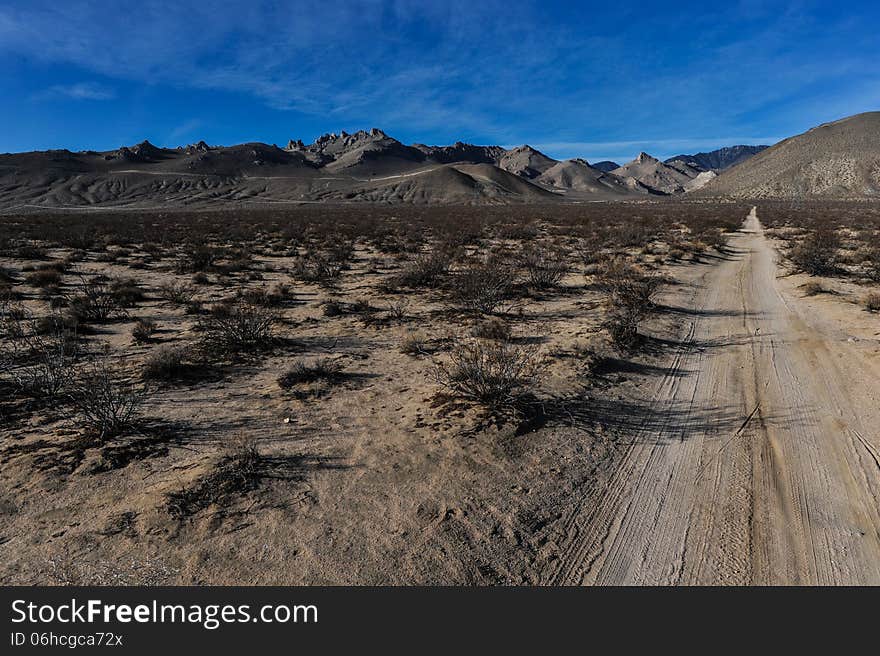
x,y
143,330
235,328
484,287
95,301
630,298
543,268
817,253
238,471
107,404
320,370
488,372
165,363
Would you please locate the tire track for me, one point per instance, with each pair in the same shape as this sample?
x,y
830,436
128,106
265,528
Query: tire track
x,y
755,464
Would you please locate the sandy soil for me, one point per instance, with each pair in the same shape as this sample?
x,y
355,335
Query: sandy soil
x,y
739,446
758,460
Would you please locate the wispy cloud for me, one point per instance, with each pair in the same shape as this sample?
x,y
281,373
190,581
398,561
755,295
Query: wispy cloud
x,y
78,91
184,130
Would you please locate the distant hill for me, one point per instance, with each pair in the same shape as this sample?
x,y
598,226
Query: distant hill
x,y
367,166
658,176
718,160
525,162
834,160
606,165
840,159
578,176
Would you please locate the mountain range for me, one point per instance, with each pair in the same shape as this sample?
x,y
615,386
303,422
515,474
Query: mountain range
x,y
836,159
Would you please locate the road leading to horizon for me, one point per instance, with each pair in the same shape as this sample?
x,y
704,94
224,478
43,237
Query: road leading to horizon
x,y
758,461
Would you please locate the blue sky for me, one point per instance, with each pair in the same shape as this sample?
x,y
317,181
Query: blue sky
x,y
597,80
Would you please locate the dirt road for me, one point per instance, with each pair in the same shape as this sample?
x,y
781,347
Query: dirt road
x,y
759,459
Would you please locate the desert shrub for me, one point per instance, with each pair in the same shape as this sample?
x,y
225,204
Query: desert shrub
x,y
106,403
302,373
425,271
95,302
198,258
484,286
339,250
630,298
31,252
813,288
143,330
193,307
627,285
492,328
397,309
816,254
872,302
487,372
317,268
36,355
414,343
332,308
238,470
543,269
179,293
872,265
275,296
165,363
594,355
714,238
362,306
232,328
43,278
125,291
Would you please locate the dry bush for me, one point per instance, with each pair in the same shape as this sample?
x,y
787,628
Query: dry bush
x,y
165,363
630,298
543,268
36,355
239,470
276,296
233,328
425,271
492,328
415,343
317,268
31,252
322,370
333,308
107,404
43,278
143,330
125,291
484,286
872,265
198,258
180,293
813,288
493,374
627,285
872,302
397,309
95,302
816,254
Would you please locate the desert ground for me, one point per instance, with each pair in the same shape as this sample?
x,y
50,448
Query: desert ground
x,y
609,393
